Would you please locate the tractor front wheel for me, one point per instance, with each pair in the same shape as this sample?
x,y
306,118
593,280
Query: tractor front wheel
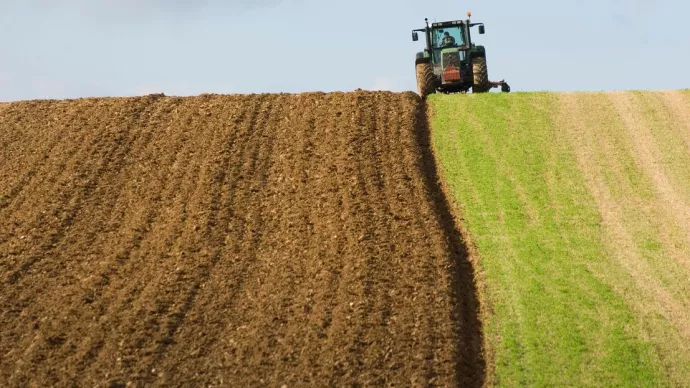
x,y
426,80
481,75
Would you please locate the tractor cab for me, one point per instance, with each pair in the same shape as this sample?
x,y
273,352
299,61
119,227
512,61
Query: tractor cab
x,y
449,41
450,36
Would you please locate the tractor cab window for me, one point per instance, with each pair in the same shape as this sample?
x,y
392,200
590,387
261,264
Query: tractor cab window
x,y
448,37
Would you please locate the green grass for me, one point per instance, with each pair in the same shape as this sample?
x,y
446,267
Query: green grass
x,y
564,304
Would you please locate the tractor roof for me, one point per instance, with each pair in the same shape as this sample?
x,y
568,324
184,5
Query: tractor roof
x,y
448,24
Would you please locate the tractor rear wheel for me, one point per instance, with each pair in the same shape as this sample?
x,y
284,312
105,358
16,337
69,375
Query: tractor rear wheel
x,y
481,75
426,80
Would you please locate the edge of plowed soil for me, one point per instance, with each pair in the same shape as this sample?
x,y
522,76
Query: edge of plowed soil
x,y
467,274
478,279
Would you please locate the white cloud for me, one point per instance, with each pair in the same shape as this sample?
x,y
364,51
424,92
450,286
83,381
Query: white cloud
x,y
142,90
176,89
137,9
384,83
48,88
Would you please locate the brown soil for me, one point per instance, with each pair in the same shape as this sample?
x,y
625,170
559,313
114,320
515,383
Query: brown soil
x,y
230,240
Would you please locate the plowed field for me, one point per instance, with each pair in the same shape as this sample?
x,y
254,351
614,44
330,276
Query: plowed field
x,y
240,240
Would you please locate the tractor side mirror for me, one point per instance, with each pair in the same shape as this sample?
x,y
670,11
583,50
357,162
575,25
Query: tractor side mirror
x,y
415,37
481,30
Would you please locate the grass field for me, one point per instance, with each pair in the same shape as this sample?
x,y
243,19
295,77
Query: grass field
x,y
577,207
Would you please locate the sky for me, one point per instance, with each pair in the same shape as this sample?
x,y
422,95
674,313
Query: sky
x,y
91,48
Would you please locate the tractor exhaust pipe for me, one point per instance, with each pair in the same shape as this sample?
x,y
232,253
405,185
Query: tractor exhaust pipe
x,y
428,37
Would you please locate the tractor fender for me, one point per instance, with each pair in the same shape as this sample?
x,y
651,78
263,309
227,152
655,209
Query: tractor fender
x,y
422,60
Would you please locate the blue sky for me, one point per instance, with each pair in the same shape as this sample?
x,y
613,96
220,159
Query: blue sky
x,y
83,48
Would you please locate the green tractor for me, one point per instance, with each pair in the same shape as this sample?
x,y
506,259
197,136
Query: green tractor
x,y
451,63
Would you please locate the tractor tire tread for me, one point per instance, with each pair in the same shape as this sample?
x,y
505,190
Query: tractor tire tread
x,y
481,75
426,80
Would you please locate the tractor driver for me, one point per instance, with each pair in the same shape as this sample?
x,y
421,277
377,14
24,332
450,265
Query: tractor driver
x,y
447,40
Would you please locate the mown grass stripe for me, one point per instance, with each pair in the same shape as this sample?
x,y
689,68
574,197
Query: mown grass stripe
x,y
632,191
630,228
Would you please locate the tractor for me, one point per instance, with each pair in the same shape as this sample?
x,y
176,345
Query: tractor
x,y
451,62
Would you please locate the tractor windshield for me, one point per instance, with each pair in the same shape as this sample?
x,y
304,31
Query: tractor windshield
x,y
448,37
